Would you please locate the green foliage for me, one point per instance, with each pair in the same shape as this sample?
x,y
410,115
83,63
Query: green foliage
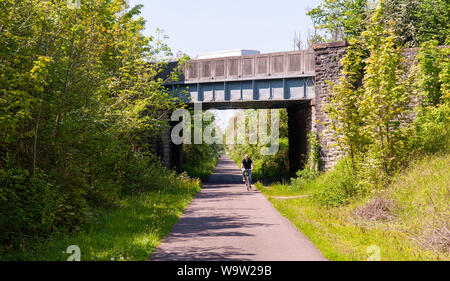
x,y
339,19
79,104
271,167
430,132
130,232
414,226
266,167
346,103
418,21
431,62
304,179
444,76
28,208
386,99
200,160
371,114
370,108
414,21
375,125
314,158
312,167
371,102
337,187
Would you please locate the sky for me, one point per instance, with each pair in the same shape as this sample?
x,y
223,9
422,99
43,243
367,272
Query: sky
x,y
200,26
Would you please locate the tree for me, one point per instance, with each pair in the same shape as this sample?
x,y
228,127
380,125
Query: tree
x,y
418,21
339,19
79,98
414,21
344,104
386,96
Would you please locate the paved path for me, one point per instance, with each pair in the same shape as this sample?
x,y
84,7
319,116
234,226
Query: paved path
x,y
227,222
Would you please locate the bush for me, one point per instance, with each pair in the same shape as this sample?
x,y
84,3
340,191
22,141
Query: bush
x,y
337,187
268,167
431,130
34,207
29,206
304,178
200,160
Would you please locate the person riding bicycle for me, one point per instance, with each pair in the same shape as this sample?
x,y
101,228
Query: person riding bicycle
x,y
247,167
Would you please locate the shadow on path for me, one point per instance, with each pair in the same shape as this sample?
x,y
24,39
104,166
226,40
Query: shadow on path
x,y
226,222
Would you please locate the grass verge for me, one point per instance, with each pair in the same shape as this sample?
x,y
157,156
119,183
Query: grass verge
x,y
410,223
131,231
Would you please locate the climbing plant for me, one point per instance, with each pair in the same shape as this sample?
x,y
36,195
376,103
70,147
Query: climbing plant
x,y
345,103
431,62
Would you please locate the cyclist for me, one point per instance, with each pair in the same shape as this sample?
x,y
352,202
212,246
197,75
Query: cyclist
x,y
247,167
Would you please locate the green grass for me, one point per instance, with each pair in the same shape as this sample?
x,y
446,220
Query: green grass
x,y
420,196
131,231
201,170
283,190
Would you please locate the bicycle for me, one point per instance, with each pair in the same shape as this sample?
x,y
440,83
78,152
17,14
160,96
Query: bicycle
x,y
247,179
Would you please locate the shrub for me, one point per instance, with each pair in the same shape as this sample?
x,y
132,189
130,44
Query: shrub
x,y
337,187
431,130
304,178
199,160
267,167
29,206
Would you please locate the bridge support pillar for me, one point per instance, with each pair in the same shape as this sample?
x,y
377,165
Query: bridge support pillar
x,y
166,148
176,155
170,153
299,125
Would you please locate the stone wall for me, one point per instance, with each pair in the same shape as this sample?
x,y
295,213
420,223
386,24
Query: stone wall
x,y
328,69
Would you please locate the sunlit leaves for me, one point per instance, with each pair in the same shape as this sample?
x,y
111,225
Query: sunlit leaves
x,y
344,105
79,99
371,101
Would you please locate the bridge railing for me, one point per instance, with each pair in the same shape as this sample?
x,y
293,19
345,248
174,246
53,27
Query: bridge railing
x,y
261,66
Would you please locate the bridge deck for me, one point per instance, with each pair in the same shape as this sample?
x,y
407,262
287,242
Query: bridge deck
x,y
248,81
251,67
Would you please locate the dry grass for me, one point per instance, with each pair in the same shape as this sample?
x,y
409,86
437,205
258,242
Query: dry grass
x,y
379,209
435,237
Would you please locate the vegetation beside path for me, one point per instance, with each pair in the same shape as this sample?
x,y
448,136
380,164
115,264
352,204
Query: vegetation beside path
x,y
82,115
406,221
130,231
388,197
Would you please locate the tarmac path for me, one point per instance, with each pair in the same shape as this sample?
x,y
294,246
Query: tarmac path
x,y
225,222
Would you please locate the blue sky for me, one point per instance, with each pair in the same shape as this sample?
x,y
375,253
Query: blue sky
x,y
200,26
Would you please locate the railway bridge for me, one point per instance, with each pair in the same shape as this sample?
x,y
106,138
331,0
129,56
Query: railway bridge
x,y
295,80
